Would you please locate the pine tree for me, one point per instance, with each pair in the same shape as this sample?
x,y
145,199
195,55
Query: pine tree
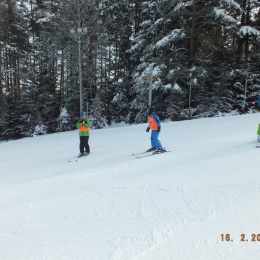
x,y
97,117
119,20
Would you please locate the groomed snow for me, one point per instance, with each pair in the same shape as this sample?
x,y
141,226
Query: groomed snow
x,y
112,206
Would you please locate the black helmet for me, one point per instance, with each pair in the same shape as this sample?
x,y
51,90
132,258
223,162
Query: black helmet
x,y
150,109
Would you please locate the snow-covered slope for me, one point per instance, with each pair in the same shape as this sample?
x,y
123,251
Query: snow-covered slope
x,y
112,206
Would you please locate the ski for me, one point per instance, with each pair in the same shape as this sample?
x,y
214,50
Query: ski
x,y
75,159
78,158
146,155
72,160
135,154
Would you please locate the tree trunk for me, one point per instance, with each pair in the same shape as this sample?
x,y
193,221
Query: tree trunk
x,y
241,41
1,86
192,52
248,9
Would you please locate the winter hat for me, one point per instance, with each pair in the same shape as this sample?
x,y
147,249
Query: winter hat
x,y
150,110
82,113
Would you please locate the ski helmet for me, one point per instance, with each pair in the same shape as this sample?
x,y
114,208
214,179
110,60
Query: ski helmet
x,y
150,110
82,113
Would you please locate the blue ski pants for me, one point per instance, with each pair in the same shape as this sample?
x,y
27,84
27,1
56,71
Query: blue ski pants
x,y
154,139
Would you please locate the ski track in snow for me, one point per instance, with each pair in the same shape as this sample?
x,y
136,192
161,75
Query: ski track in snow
x,y
112,206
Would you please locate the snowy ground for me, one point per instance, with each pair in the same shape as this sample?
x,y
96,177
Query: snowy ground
x,y
112,206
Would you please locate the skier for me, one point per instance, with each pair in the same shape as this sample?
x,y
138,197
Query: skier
x,y
155,126
258,130
84,127
258,137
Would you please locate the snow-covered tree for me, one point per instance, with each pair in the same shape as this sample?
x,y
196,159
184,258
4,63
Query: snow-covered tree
x,y
97,115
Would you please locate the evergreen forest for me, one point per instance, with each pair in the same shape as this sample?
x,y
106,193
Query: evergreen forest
x,y
200,57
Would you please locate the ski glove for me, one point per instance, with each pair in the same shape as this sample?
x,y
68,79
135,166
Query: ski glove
x,y
159,129
148,129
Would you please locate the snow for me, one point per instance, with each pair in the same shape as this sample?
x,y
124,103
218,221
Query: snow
x,y
181,5
168,86
249,30
174,35
137,46
118,97
231,3
113,206
64,112
176,86
45,19
223,16
146,23
160,21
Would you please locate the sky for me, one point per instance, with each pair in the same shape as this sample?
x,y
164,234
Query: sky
x,y
198,201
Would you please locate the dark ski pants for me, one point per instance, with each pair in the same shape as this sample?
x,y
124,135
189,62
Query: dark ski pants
x,y
84,144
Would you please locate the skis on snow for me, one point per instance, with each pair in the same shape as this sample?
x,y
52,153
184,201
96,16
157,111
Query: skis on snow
x,y
76,159
136,154
151,154
146,154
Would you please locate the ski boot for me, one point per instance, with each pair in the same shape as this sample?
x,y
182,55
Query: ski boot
x,y
161,150
151,149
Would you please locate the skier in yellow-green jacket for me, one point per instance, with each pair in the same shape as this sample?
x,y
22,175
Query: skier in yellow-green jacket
x,y
84,128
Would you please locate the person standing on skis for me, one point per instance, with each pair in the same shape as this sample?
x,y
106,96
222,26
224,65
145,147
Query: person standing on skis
x,y
155,126
84,127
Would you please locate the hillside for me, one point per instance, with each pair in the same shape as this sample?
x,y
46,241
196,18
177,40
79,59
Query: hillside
x,y
112,206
